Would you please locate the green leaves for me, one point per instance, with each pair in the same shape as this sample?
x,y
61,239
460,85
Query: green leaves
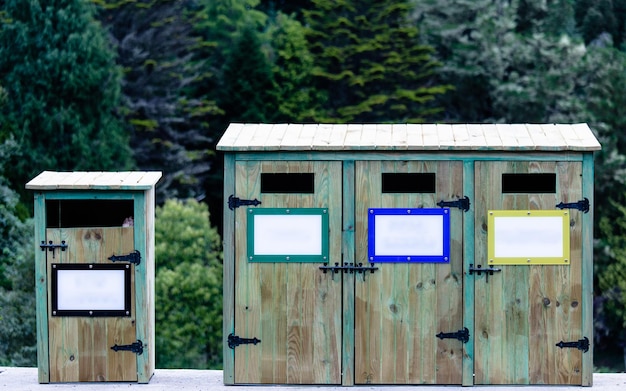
x,y
63,87
188,287
367,58
18,339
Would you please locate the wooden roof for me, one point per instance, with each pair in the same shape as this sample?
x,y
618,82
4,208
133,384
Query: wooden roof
x,y
96,180
408,137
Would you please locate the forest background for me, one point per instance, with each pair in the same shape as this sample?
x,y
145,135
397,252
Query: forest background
x,y
152,85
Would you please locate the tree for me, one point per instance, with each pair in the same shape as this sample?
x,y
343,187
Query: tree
x,y
248,82
18,340
63,89
167,113
597,17
188,287
370,63
512,73
292,65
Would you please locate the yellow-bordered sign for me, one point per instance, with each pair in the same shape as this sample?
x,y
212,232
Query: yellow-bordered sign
x,y
528,237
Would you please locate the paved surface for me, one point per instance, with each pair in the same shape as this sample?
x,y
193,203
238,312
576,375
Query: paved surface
x,y
25,379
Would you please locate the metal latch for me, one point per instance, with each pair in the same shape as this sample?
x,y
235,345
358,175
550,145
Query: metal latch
x,y
582,205
134,257
135,347
462,335
348,268
479,270
581,344
235,340
236,202
461,203
51,246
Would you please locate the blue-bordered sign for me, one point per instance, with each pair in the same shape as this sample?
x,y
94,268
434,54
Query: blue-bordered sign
x,y
409,235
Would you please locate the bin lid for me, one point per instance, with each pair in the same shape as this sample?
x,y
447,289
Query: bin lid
x,y
408,137
96,180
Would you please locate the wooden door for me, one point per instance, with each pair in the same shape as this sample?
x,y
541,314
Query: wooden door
x,y
522,312
401,307
292,307
80,345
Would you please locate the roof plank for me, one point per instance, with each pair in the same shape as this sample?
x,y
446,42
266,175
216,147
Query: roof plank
x,y
94,180
414,137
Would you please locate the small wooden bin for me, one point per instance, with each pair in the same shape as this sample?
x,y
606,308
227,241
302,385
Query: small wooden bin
x,y
366,254
94,269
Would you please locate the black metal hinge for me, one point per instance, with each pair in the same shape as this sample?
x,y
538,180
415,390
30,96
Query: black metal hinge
x,y
135,347
462,335
581,344
236,202
582,205
461,203
51,246
235,340
134,257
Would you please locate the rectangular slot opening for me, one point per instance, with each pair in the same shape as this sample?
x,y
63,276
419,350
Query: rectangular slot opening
x,y
408,182
88,213
90,290
288,183
528,183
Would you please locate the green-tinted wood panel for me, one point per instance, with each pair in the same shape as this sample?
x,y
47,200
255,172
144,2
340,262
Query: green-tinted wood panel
x,y
525,310
401,307
293,308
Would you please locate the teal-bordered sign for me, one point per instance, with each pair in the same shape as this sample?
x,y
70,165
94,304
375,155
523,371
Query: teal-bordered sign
x,y
287,235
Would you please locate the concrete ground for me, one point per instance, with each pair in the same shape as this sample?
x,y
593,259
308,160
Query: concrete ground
x,y
25,379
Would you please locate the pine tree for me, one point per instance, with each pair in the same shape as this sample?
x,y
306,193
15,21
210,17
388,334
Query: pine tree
x,y
167,112
296,97
370,63
248,82
62,86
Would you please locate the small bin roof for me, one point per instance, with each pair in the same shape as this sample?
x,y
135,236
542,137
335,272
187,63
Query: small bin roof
x,y
408,137
95,180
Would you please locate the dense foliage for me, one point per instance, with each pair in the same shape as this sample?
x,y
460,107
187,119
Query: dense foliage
x,y
165,116
62,87
188,287
17,278
152,84
369,62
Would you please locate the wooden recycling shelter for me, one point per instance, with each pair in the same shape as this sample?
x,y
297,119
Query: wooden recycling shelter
x,y
364,254
94,271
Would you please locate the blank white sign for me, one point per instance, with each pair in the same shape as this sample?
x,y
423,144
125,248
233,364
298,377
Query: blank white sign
x,y
402,235
531,237
97,290
288,234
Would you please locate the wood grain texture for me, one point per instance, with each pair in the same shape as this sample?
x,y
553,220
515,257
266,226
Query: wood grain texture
x,y
587,268
469,190
97,180
414,137
228,290
525,310
401,307
293,308
79,346
41,290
